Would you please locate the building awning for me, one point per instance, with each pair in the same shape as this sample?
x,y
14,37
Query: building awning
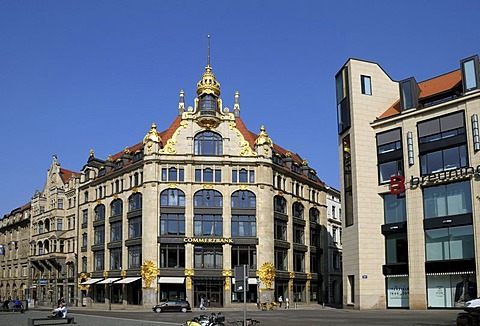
x,y
91,281
251,280
109,280
127,280
171,280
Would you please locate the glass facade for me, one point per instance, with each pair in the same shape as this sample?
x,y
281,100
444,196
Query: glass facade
x,y
451,290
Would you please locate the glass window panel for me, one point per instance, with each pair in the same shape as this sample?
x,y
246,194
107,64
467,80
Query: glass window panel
x,y
470,76
208,175
164,174
172,174
218,175
434,241
387,170
461,242
394,208
366,85
198,175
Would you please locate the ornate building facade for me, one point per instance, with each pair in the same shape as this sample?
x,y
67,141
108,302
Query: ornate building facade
x,y
409,161
172,215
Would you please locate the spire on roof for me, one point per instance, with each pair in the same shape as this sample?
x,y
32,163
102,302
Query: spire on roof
x,y
208,84
181,103
263,138
236,104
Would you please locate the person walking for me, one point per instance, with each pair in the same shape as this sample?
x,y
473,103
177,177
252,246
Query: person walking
x,y
287,303
280,301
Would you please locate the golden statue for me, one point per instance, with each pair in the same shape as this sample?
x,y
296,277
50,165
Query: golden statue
x,y
267,274
149,272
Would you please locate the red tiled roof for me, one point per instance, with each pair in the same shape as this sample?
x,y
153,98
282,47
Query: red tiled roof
x,y
391,111
66,174
440,84
430,87
168,133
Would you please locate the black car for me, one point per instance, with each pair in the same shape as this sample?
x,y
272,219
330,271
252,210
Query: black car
x,y
172,305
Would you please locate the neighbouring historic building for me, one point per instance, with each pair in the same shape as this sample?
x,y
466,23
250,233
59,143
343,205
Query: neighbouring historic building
x,y
410,165
170,216
334,229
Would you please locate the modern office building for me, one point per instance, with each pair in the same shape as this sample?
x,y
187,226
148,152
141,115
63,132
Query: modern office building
x,y
410,165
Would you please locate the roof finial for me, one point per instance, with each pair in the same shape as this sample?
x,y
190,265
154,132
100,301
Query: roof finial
x,y
208,54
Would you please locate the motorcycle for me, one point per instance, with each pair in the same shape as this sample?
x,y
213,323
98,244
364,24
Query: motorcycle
x,y
204,320
472,315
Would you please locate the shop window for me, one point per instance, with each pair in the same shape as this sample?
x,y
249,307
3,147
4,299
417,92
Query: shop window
x,y
397,292
396,247
451,290
450,243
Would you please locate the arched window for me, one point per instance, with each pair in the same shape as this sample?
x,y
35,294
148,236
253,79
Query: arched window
x,y
243,199
314,215
297,210
135,202
116,207
47,225
99,212
208,143
207,198
280,204
172,197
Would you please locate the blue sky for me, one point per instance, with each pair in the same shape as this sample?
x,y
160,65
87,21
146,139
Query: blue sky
x,y
81,75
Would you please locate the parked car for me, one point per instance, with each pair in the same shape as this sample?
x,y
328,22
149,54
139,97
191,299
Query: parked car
x,y
172,305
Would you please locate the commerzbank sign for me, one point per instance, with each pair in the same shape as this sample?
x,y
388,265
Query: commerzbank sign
x,y
209,240
397,182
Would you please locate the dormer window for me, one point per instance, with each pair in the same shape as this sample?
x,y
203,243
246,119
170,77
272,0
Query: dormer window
x,y
470,73
409,92
295,168
102,172
137,156
118,164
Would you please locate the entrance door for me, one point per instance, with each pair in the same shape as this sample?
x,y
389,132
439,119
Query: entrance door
x,y
211,291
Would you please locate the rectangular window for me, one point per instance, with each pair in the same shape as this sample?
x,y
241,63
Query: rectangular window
x,y
135,227
447,199
84,240
181,175
172,256
444,160
409,92
99,234
208,225
343,102
450,243
99,260
299,261
280,230
394,208
134,256
244,226
366,82
60,203
470,73
60,224
164,174
198,175
208,257
347,181
218,175
389,154
244,255
281,259
298,234
396,248
85,216
172,224
84,264
116,259
116,231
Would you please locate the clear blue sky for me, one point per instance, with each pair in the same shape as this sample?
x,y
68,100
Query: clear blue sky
x,y
81,75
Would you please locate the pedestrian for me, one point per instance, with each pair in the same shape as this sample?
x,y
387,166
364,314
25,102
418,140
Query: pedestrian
x,y
202,303
287,303
280,300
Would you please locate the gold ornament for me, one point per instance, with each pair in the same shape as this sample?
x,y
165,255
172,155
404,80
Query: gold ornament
x,y
267,274
149,272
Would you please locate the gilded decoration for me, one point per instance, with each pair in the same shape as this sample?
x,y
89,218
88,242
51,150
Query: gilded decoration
x,y
105,274
99,202
149,273
189,272
110,158
123,273
189,283
115,196
304,162
152,135
291,275
81,279
127,150
92,152
263,138
266,273
134,190
169,146
208,187
227,283
245,150
227,273
243,187
288,154
172,186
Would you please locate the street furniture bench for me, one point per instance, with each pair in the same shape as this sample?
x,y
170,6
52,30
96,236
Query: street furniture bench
x,y
50,321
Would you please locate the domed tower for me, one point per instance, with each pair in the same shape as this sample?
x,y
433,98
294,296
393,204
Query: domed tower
x,y
208,103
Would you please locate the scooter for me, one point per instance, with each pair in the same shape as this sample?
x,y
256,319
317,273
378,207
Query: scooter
x,y
472,315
